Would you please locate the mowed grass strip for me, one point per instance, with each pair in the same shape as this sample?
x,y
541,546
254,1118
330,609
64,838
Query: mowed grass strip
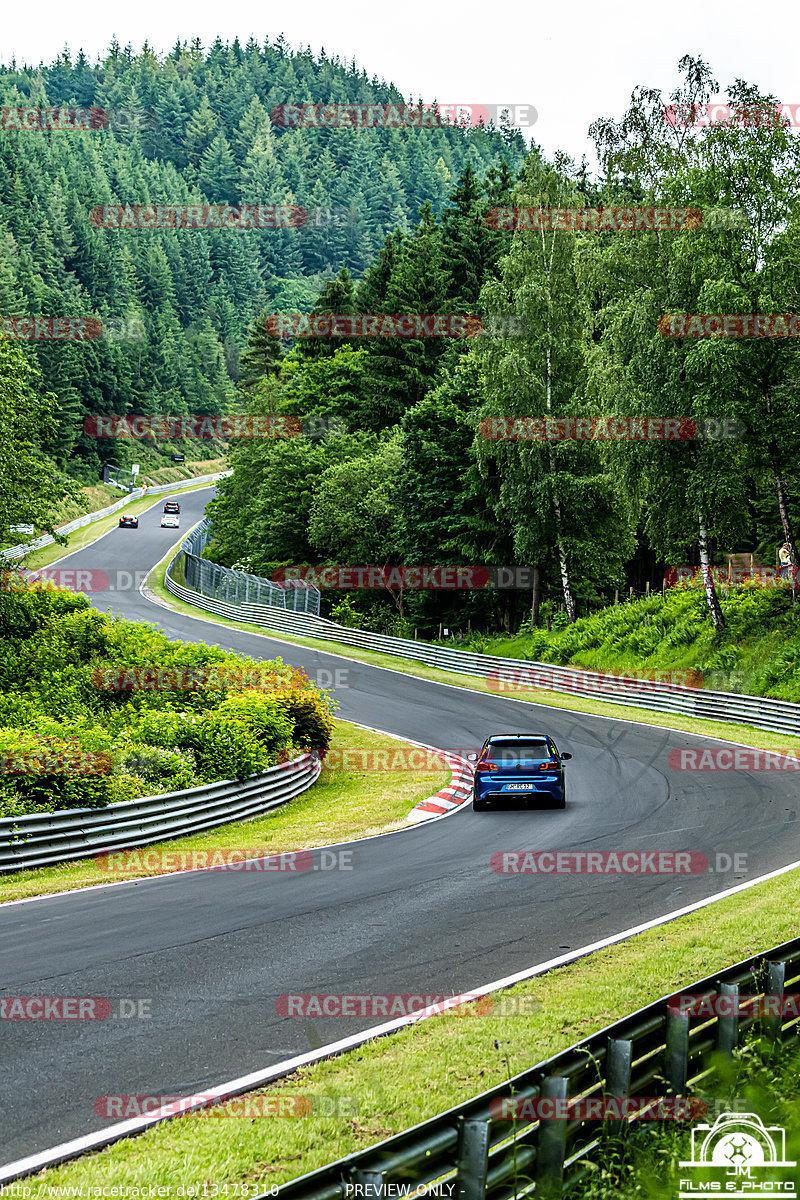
x,y
761,738
352,801
100,495
394,1082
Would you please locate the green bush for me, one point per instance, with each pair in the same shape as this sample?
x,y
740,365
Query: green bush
x,y
311,714
165,731
265,716
224,747
42,773
156,769
346,613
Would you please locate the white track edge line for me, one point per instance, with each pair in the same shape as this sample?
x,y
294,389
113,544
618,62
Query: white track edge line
x,y
94,887
245,1083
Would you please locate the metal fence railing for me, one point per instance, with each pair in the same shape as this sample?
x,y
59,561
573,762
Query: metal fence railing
x,y
44,839
513,677
47,539
238,588
482,1149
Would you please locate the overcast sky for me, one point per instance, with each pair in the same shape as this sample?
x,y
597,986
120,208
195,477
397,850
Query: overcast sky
x,y
573,60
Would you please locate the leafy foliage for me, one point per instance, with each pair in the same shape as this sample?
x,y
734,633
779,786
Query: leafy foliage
x,y
68,739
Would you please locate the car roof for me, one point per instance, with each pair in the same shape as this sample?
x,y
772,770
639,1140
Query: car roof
x,y
511,737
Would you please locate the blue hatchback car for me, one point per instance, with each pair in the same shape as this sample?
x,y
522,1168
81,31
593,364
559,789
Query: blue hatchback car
x,y
514,767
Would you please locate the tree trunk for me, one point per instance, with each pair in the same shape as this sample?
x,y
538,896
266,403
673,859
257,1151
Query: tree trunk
x,y
569,599
711,595
788,532
536,596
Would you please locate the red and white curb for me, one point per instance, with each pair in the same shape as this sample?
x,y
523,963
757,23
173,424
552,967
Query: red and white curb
x,y
453,796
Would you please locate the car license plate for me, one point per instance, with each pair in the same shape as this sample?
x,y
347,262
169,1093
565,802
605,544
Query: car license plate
x,y
520,787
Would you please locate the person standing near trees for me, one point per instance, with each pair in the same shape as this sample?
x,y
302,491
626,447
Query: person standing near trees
x,y
784,560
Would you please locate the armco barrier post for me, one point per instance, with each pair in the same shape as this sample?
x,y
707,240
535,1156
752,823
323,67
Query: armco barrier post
x,y
728,1022
776,982
369,1183
677,1051
472,1165
552,1142
618,1073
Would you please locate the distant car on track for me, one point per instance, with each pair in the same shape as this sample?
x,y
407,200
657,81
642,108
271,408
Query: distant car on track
x,y
519,767
172,506
168,522
129,522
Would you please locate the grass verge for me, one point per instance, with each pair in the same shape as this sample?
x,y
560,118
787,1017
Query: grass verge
x,y
344,804
96,496
761,738
187,470
90,533
397,1081
758,1078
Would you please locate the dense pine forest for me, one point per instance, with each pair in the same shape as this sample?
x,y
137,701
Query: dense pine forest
x,y
394,466
195,126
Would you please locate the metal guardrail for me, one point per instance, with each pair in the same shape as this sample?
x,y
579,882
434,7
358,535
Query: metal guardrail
x,y
658,1051
515,676
236,588
47,539
44,839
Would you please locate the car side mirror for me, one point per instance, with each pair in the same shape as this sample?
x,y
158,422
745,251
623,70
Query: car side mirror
x,y
472,758
565,757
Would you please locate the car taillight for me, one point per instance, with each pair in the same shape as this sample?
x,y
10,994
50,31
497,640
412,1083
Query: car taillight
x,y
486,766
548,766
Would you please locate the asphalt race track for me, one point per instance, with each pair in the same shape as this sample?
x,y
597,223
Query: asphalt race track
x,y
421,911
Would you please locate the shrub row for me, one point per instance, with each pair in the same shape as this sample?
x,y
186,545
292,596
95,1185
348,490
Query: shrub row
x,y
95,709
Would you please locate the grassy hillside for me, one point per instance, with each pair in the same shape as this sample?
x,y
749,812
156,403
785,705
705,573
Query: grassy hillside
x,y
759,651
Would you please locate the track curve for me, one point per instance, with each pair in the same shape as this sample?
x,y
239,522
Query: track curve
x,y
420,912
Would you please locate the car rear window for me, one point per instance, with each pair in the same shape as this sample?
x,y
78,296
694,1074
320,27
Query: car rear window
x,y
514,752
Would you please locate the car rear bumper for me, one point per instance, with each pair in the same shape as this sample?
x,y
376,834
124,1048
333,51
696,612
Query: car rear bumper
x,y
539,793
